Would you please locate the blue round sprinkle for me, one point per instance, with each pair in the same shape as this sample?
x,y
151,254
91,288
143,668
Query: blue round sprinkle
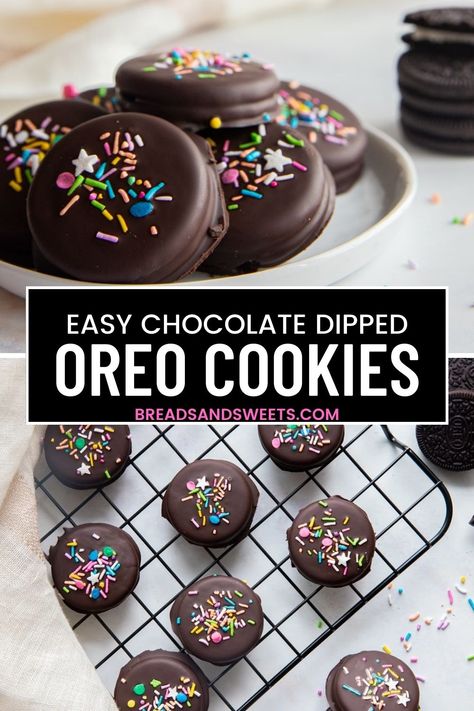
x,y
93,555
214,519
141,209
181,697
95,593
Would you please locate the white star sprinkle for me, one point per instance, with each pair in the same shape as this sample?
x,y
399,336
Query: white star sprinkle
x,y
94,578
392,684
83,469
343,558
275,160
85,162
403,700
202,483
172,693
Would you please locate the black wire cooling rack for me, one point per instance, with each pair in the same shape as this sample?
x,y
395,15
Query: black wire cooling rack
x,y
409,507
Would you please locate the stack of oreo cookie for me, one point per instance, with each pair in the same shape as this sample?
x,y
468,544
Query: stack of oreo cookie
x,y
451,446
436,79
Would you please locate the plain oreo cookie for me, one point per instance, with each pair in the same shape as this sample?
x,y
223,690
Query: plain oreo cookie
x,y
436,75
446,29
450,135
461,373
451,446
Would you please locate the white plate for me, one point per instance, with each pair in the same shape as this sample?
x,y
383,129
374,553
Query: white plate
x,y
363,222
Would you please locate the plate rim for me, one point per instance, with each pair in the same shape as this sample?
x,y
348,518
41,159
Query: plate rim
x,y
411,182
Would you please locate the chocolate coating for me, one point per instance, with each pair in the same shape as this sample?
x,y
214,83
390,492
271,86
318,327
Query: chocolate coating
x,y
461,373
372,680
214,642
332,542
87,456
279,213
330,125
25,138
296,447
211,502
161,677
99,571
171,217
104,96
451,19
193,88
451,446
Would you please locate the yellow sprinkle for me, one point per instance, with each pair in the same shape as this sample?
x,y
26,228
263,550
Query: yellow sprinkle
x,y
131,704
215,122
463,579
17,172
107,214
15,186
122,224
386,649
116,160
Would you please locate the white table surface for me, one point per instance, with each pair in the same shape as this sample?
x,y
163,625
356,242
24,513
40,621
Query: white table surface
x,y
350,48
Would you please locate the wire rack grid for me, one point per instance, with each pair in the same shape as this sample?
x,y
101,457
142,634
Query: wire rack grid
x,y
408,505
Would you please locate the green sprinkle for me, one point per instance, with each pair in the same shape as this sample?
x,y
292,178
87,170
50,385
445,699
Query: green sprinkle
x,y
29,177
107,473
456,221
294,141
155,682
108,551
131,180
323,504
139,689
149,69
238,593
470,658
102,92
251,622
95,183
319,624
336,115
78,181
233,206
98,205
66,590
206,76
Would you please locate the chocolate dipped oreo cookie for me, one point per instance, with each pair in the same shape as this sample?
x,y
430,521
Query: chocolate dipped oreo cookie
x,y
196,88
129,198
279,195
162,680
211,502
87,456
332,542
451,446
372,680
104,96
296,447
330,125
219,619
25,139
94,566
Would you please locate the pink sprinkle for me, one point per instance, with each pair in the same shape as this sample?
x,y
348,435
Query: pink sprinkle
x,y
414,660
106,237
300,166
64,180
107,149
420,678
276,442
304,532
69,91
190,485
450,597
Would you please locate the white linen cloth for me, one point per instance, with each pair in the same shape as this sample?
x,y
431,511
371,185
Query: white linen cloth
x,y
43,666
